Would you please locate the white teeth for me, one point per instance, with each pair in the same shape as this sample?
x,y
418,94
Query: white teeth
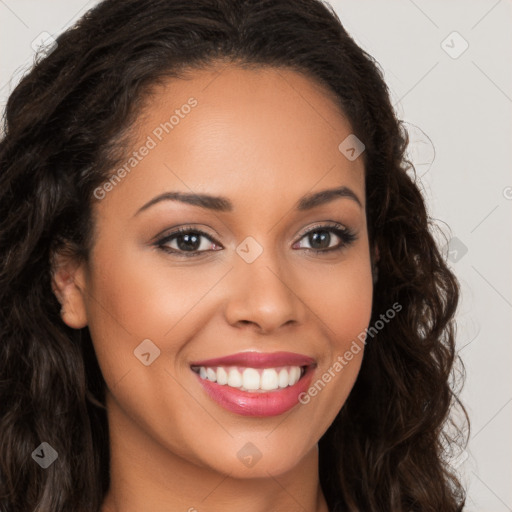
x,y
252,379
294,375
222,376
269,379
283,378
234,378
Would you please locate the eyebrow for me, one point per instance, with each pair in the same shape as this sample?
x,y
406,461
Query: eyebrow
x,y
222,204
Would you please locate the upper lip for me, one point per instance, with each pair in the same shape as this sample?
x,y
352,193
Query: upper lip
x,y
258,360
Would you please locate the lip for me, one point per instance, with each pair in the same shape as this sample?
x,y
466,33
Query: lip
x,y
254,359
258,404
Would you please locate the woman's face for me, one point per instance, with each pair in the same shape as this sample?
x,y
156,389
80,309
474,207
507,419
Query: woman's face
x,y
243,279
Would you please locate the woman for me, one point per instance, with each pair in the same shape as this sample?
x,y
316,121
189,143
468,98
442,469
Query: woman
x,y
220,288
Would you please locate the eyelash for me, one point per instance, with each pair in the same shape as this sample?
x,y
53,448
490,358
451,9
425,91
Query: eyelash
x,y
346,236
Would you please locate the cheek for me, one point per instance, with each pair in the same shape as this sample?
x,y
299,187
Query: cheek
x,y
350,302
343,302
341,297
135,296
142,292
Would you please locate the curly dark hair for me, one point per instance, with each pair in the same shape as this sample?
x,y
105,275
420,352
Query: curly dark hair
x,y
388,448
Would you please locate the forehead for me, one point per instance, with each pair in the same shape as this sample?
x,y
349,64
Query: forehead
x,y
259,130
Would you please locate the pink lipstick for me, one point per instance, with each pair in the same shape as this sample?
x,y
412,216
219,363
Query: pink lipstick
x,y
255,383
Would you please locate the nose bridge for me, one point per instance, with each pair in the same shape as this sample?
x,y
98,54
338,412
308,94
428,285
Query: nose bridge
x,y
260,291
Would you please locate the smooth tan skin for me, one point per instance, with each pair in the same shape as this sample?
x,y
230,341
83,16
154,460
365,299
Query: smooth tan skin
x,y
263,139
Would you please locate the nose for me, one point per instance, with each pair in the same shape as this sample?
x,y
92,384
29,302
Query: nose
x,y
263,296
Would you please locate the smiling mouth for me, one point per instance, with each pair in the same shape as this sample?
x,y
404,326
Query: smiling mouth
x,y
252,380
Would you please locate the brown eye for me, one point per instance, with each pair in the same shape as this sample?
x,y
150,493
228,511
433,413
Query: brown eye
x,y
187,242
327,239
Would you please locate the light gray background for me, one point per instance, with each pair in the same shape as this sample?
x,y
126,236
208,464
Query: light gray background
x,y
464,106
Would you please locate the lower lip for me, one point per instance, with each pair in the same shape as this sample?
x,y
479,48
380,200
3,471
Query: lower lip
x,y
259,404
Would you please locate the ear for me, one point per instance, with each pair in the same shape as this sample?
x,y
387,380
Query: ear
x,y
69,286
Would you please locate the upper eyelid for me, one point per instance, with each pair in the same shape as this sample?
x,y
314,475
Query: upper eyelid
x,y
190,229
325,225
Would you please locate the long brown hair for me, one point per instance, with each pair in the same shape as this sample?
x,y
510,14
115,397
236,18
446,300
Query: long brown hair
x,y
387,449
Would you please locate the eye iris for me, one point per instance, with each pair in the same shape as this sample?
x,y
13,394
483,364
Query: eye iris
x,y
188,241
318,238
